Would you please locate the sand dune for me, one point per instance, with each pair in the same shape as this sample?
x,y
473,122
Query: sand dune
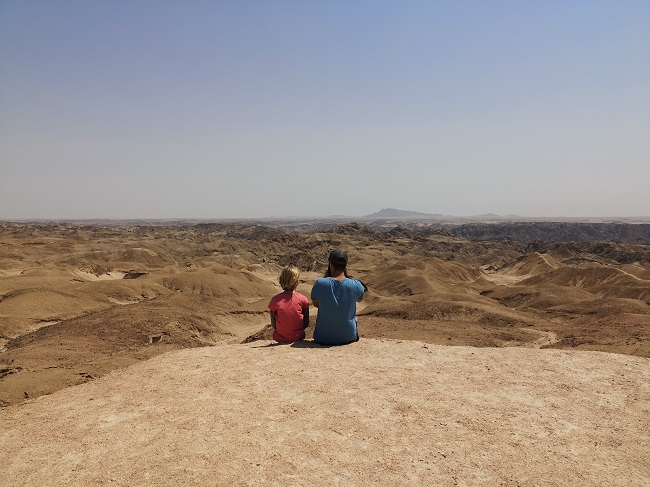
x,y
425,278
600,281
371,413
219,281
536,263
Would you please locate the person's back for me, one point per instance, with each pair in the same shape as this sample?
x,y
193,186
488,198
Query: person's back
x,y
336,299
289,309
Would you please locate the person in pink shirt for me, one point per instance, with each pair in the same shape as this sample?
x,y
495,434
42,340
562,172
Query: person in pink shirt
x,y
289,309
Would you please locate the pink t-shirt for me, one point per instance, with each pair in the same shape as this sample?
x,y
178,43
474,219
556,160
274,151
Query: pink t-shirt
x,y
288,319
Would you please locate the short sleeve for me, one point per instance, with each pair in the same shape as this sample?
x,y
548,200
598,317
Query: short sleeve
x,y
305,302
360,289
273,304
314,290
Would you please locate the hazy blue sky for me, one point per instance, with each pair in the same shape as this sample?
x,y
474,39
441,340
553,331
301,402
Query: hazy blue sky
x,y
207,109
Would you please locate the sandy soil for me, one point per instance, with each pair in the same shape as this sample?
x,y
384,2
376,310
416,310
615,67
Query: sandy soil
x,y
377,412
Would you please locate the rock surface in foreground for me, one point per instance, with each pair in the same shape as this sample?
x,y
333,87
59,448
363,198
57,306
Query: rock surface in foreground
x,y
371,413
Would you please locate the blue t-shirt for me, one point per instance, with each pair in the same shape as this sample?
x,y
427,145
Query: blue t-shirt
x,y
336,322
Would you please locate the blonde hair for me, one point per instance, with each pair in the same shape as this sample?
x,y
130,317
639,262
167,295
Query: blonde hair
x,y
289,278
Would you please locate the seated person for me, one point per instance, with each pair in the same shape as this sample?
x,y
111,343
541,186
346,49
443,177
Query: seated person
x,y
336,296
289,309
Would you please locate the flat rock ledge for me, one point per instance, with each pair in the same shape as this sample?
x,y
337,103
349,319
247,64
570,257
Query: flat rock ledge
x,y
377,412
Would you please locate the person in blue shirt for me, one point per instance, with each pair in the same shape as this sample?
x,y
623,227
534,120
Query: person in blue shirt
x,y
336,297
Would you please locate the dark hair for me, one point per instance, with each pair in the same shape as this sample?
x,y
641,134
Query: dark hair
x,y
328,272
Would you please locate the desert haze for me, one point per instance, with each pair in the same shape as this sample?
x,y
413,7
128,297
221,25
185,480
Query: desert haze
x,y
491,353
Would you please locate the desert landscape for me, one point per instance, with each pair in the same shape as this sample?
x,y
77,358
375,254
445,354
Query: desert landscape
x,y
533,336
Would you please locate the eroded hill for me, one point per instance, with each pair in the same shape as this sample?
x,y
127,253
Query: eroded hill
x,y
79,301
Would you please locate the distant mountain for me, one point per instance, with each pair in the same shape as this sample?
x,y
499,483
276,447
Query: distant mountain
x,y
395,213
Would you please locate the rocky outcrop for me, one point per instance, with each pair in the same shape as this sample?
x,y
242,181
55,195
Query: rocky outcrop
x,y
371,413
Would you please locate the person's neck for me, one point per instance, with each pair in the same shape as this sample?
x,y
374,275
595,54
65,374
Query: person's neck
x,y
337,275
288,291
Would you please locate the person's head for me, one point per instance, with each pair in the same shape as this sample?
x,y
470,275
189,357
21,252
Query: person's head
x,y
289,278
338,260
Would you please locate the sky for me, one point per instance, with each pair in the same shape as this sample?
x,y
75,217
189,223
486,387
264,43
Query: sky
x,y
253,109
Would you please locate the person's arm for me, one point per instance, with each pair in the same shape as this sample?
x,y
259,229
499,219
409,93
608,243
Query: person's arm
x,y
363,290
305,317
273,313
314,293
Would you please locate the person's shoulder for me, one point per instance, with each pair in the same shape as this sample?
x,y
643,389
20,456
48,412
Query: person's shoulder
x,y
277,297
352,281
274,300
355,283
301,297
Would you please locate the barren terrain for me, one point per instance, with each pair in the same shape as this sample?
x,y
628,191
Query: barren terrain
x,y
377,412
79,301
